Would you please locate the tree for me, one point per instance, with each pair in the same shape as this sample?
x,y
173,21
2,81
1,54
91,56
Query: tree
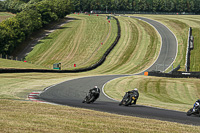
x,y
11,35
181,6
1,5
197,6
30,20
191,5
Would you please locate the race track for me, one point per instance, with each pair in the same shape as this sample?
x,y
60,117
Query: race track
x,y
72,92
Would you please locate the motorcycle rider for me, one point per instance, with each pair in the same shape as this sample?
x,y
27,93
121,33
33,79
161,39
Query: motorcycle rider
x,y
95,91
196,105
133,92
92,92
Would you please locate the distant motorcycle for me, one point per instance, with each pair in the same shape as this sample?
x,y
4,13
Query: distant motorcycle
x,y
91,97
128,99
195,112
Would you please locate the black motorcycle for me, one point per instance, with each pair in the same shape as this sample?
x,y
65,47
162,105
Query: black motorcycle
x,y
128,99
195,112
91,97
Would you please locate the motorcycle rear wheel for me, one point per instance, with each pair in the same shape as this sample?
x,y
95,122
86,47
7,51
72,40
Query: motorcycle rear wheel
x,y
189,112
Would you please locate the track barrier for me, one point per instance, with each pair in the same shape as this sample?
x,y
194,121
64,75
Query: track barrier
x,y
175,74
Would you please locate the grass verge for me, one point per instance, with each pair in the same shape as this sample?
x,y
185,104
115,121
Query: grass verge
x,y
18,86
179,25
77,42
6,64
26,117
195,57
137,48
169,93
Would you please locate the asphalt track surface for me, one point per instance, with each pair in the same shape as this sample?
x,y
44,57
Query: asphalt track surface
x,y
72,92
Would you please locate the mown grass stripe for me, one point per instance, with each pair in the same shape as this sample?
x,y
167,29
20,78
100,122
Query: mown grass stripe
x,y
176,94
86,38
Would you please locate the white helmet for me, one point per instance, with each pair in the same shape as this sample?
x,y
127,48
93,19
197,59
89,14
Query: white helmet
x,y
136,89
95,87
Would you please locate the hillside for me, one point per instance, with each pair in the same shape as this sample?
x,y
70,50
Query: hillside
x,y
5,15
69,46
129,56
179,25
82,41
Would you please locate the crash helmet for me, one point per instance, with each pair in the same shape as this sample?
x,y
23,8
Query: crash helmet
x,y
135,89
198,101
95,87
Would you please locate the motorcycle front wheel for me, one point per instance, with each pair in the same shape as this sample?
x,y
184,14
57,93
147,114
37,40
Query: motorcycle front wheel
x,y
128,102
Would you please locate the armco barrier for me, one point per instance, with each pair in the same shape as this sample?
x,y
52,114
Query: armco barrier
x,y
75,70
177,74
190,42
175,69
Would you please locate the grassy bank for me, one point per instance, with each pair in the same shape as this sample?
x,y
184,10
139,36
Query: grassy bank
x,y
18,64
195,57
5,15
169,93
26,117
179,25
137,48
77,42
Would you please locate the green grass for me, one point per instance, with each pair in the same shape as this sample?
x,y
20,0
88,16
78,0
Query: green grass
x,y
26,117
78,42
18,86
5,15
137,48
169,93
5,63
195,58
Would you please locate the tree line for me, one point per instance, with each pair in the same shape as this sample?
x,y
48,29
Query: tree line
x,y
33,16
191,6
138,5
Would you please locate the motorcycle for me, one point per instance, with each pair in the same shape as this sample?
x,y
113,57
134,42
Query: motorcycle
x,y
91,97
195,112
128,99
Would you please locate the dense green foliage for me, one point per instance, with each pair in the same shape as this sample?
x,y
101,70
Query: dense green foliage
x,y
138,5
1,4
15,30
15,6
116,5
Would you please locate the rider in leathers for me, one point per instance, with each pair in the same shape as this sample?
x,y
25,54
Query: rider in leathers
x,y
135,92
196,105
96,91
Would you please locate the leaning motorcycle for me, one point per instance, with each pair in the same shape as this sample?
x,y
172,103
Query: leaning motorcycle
x,y
128,99
195,112
90,97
